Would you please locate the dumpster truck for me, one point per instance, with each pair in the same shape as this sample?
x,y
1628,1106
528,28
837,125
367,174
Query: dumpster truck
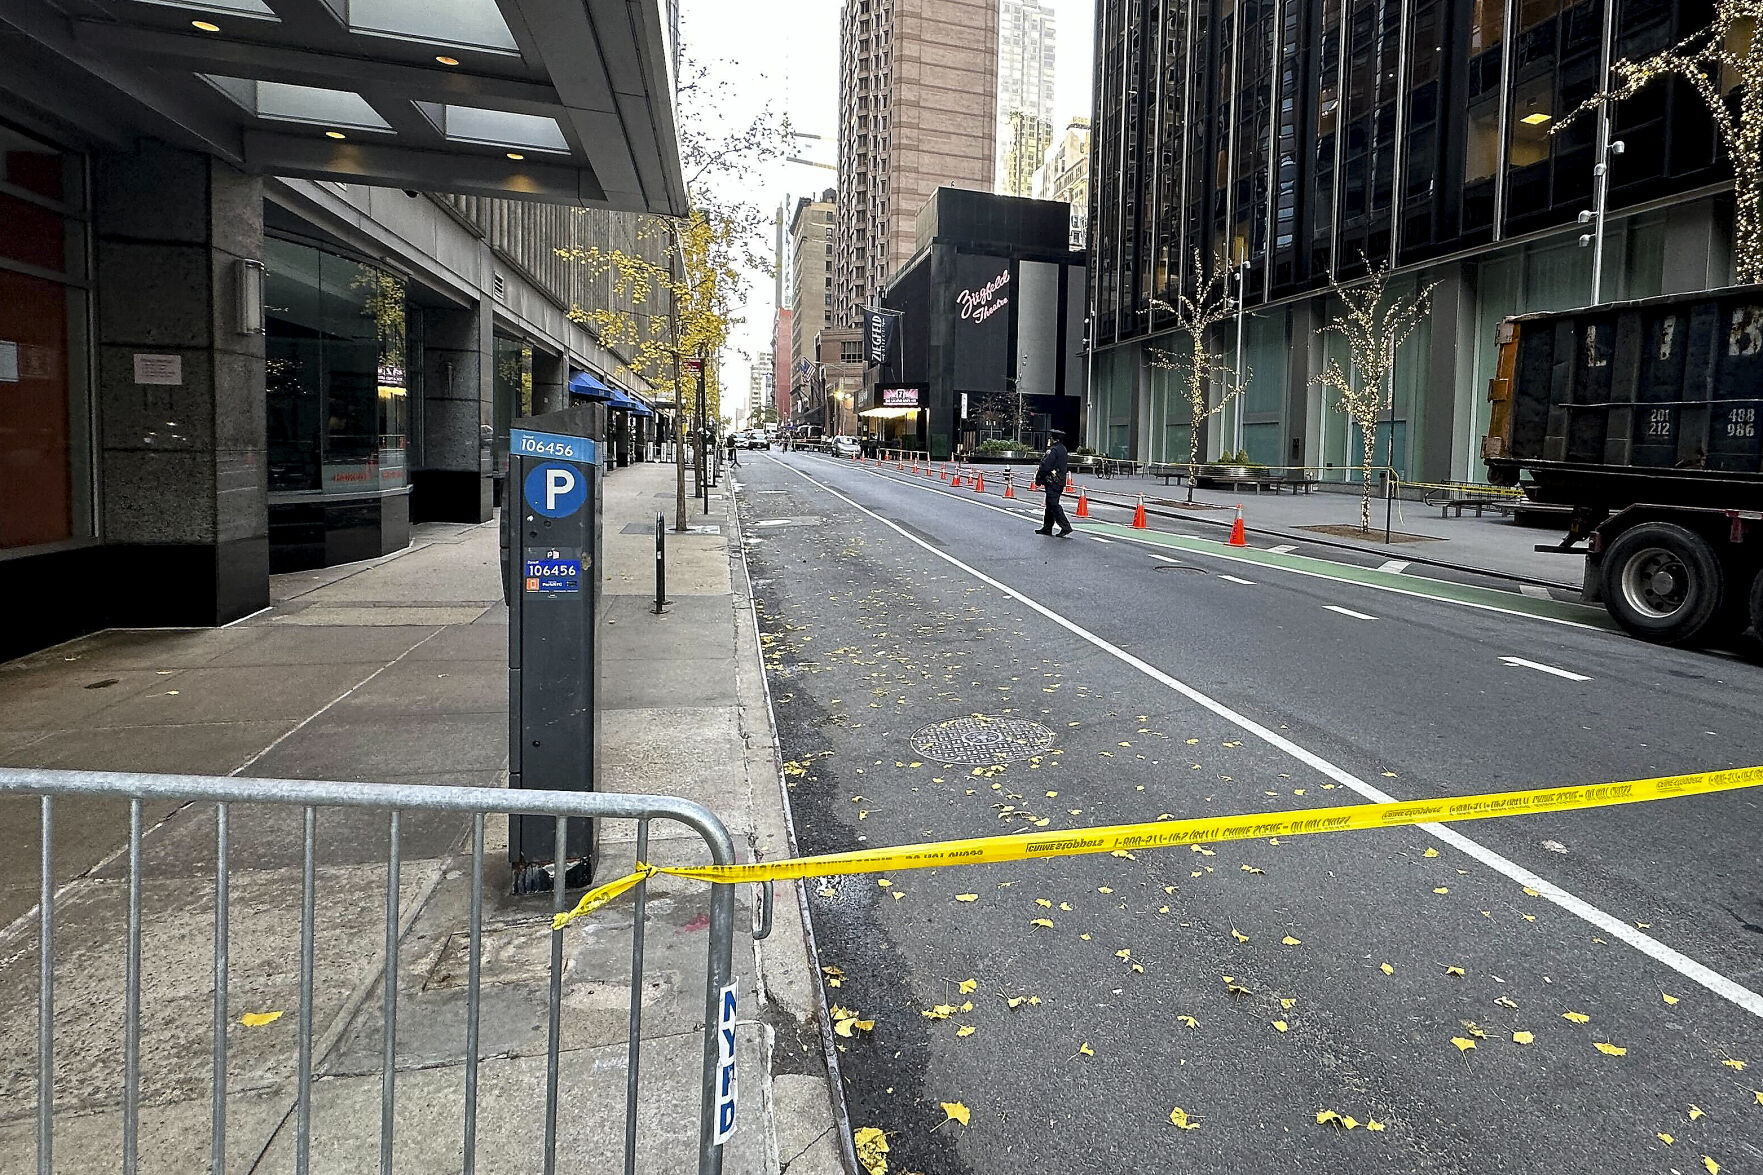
x,y
1642,417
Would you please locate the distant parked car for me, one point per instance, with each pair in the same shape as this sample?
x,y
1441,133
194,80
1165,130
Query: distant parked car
x,y
754,439
846,447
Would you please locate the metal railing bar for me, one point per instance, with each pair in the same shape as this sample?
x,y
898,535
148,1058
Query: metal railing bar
x,y
472,981
554,1038
46,996
308,905
634,1046
326,794
217,1123
389,989
720,964
131,1003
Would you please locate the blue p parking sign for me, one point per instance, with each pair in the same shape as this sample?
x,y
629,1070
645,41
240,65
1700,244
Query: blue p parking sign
x,y
556,490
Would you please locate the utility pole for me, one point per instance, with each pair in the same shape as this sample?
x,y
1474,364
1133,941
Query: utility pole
x,y
679,398
703,429
1236,429
1601,169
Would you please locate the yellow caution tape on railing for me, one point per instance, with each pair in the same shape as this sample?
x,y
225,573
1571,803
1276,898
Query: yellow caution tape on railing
x,y
1158,834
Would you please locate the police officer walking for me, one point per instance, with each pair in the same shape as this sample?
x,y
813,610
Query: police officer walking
x,y
1050,477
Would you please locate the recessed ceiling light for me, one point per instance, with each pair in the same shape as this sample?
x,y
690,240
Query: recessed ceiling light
x,y
1537,119
445,60
516,155
335,135
206,26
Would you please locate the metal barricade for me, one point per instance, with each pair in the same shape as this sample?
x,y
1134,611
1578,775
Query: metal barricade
x,y
393,799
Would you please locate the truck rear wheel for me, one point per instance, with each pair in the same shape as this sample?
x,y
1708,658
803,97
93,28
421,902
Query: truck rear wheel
x,y
1662,583
1757,606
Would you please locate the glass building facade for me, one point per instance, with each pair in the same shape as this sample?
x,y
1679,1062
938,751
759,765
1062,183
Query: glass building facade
x,y
339,404
1301,138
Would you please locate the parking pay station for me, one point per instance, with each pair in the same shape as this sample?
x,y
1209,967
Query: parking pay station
x,y
551,575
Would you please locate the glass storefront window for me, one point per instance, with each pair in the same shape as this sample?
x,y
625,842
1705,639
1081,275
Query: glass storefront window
x,y
44,496
335,372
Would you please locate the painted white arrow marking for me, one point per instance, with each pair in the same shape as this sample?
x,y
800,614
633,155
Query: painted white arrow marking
x,y
1541,668
1348,612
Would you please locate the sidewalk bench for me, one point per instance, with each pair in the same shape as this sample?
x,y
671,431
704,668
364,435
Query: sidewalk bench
x,y
1167,471
1477,504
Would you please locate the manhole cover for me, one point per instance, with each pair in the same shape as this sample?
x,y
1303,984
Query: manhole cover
x,y
982,740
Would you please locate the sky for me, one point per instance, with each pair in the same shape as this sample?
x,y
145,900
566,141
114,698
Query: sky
x,y
785,54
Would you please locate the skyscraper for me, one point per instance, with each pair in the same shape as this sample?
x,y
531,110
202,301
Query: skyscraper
x,y
1064,175
917,110
810,274
1025,92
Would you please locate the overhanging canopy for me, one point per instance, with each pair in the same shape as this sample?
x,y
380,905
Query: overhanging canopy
x,y
584,384
566,101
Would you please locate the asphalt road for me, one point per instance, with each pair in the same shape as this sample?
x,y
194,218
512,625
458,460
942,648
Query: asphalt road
x,y
1261,983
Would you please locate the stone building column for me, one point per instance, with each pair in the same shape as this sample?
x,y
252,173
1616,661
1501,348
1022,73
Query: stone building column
x,y
182,465
453,484
550,374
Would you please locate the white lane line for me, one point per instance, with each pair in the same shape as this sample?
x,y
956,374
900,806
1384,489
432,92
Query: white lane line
x,y
1282,549
1100,539
1348,612
1541,668
1616,928
1238,579
1166,559
1534,591
1394,566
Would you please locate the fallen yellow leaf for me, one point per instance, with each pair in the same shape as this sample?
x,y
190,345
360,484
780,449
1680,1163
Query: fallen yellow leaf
x,y
967,985
1047,922
965,1030
1195,1024
1374,1125
1238,935
1179,1117
1523,1037
967,897
1123,954
966,1006
956,1111
1279,1025
1759,1093
1695,1112
1457,971
1084,1050
883,882
940,1012
872,1150
1348,1121
1576,1017
1288,1003
1289,941
1430,852
1732,1064
1713,1167
259,1019
1324,1117
1670,999
1044,903
1463,1043
1665,1138
1609,1049
1387,969
1442,889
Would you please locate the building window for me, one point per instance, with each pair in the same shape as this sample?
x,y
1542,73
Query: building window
x,y
44,444
851,352
334,350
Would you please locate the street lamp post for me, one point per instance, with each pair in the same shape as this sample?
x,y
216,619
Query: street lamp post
x,y
1606,150
1242,299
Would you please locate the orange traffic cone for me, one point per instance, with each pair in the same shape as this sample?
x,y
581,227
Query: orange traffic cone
x,y
956,484
1237,537
1071,487
942,473
1083,504
915,467
1138,515
1009,485
979,481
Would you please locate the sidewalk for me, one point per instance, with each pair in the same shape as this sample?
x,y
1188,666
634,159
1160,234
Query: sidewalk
x,y
396,671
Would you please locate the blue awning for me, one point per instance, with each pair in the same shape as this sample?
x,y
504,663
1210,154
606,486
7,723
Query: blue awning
x,y
621,399
584,384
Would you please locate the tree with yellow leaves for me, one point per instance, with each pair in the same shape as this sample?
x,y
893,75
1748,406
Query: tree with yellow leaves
x,y
1723,64
684,293
1196,313
1375,323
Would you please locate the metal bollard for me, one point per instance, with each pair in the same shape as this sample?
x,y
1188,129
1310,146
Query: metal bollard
x,y
660,566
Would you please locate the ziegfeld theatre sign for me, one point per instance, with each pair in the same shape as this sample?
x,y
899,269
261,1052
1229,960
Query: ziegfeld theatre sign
x,y
977,305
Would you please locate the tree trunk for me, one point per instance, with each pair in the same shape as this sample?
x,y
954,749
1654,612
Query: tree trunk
x,y
1747,251
1197,412
1368,435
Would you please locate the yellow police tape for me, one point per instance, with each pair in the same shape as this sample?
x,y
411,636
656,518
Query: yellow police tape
x,y
1161,834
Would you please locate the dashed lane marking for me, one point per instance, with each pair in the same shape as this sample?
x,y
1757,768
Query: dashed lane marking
x,y
1534,591
1237,579
1283,549
1348,612
1668,956
1394,566
1541,668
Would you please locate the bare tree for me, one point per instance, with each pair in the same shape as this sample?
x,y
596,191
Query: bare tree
x,y
1195,314
1375,323
1723,64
